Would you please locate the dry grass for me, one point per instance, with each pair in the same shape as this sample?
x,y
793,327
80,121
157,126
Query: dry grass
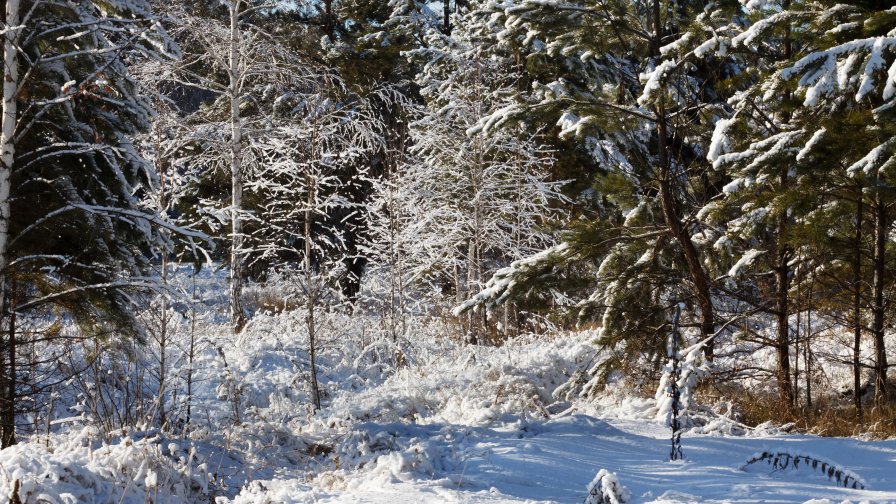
x,y
875,422
830,417
271,299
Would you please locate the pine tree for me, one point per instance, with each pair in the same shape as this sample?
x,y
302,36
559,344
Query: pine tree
x,y
72,231
849,76
780,138
635,85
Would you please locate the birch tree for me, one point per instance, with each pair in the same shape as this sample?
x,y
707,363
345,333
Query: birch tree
x,y
464,202
242,67
308,166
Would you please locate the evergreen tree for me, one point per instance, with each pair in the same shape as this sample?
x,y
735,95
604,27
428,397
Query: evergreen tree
x,y
73,234
849,78
816,78
635,84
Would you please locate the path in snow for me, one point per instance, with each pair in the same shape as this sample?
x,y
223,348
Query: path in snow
x,y
554,461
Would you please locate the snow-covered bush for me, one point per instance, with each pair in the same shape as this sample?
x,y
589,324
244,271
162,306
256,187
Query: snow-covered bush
x,y
473,385
605,488
692,367
81,468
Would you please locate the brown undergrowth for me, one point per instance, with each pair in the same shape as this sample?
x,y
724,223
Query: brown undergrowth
x,y
827,416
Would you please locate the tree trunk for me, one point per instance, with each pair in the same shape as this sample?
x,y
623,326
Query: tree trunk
x,y
807,359
191,355
857,310
237,314
478,327
877,328
329,22
7,158
446,15
782,284
796,348
782,336
6,369
163,345
310,295
782,310
7,410
671,212
163,319
682,236
395,274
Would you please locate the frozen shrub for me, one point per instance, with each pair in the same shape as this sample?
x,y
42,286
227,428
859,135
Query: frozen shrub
x,y
80,467
605,488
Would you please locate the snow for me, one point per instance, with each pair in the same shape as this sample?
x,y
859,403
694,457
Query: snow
x,y
553,461
548,461
677,44
844,70
504,280
653,81
456,451
707,46
720,142
571,125
454,423
890,88
410,411
813,141
754,5
82,469
756,31
692,368
822,82
875,62
606,488
633,215
568,123
745,260
874,161
822,76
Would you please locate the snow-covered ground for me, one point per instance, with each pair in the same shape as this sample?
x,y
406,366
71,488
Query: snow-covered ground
x,y
553,461
537,461
421,419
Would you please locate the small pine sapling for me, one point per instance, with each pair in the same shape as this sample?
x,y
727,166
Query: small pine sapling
x,y
672,390
675,393
605,488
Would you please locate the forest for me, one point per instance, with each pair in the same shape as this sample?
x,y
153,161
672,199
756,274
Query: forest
x,y
342,244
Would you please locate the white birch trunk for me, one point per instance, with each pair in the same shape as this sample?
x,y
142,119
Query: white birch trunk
x,y
7,131
7,157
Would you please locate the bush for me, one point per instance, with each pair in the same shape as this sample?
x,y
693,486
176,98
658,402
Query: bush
x,y
605,488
